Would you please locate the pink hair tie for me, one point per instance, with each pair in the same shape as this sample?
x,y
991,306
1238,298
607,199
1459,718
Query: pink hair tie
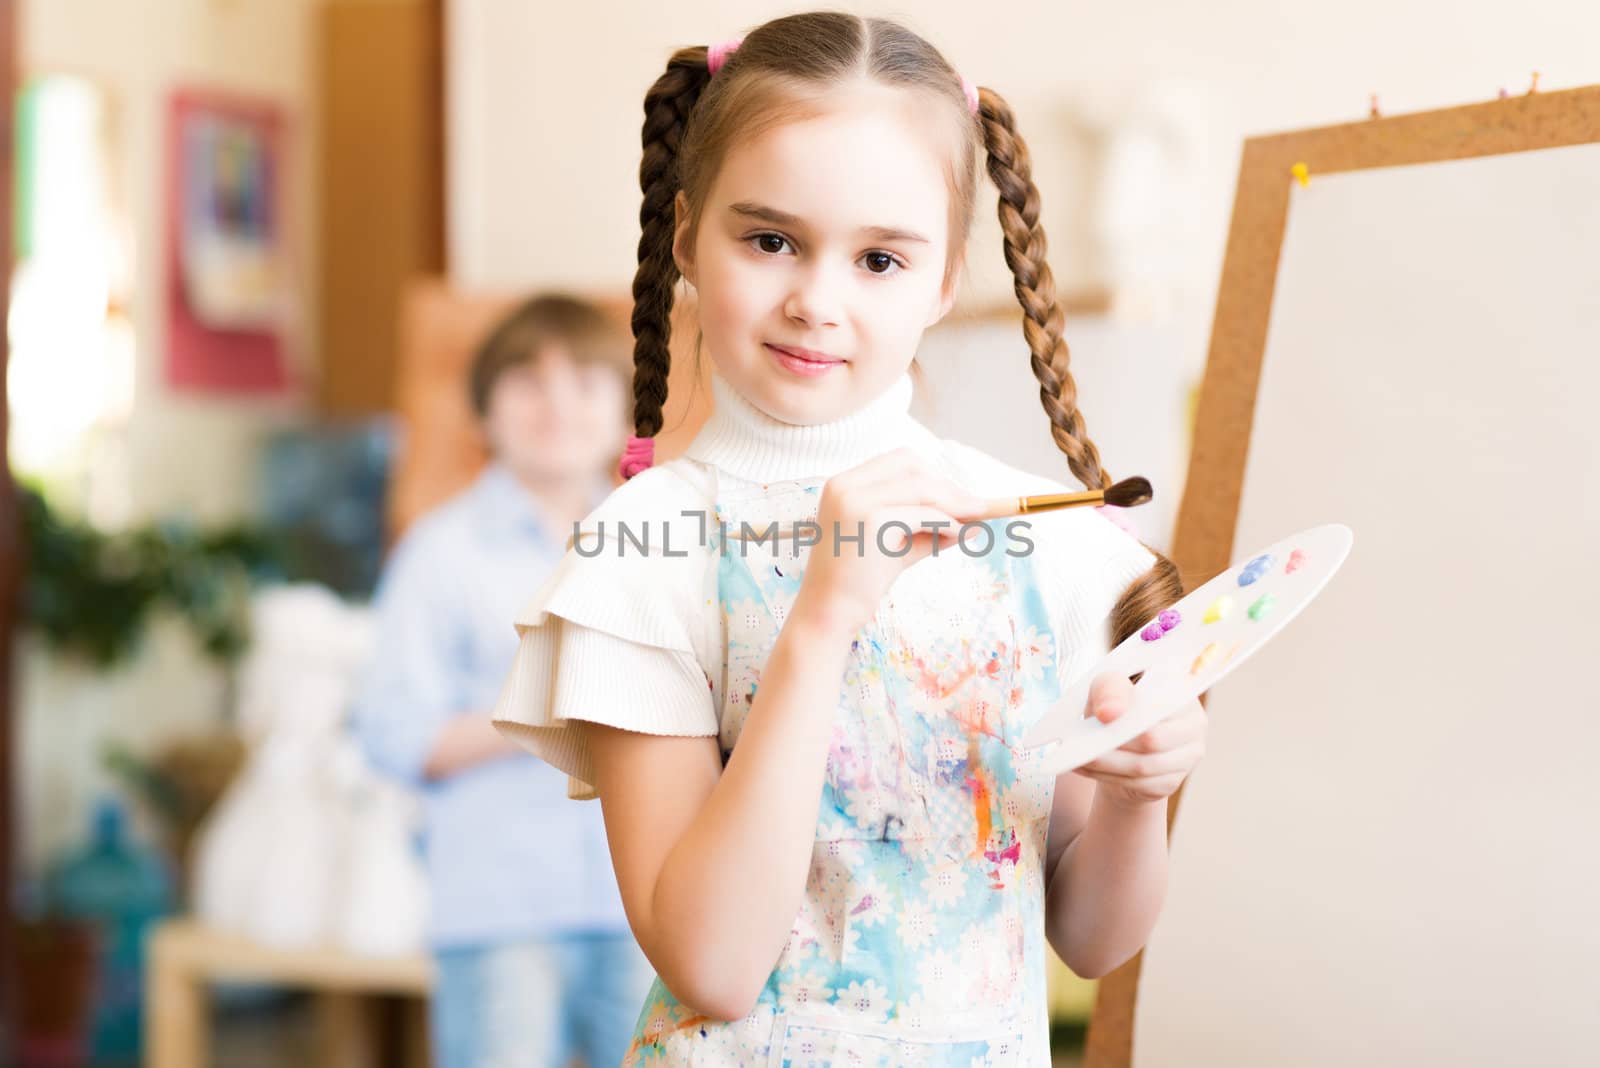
x,y
971,93
718,54
637,456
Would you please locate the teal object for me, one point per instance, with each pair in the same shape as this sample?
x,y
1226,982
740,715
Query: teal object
x,y
122,887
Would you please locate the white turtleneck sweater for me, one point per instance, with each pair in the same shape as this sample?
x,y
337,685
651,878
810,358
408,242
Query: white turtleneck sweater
x,y
744,442
633,639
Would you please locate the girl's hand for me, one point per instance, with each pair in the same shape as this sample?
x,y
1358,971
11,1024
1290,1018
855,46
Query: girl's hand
x,y
844,587
1152,766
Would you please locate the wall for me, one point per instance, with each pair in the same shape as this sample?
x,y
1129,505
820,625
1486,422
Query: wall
x,y
184,454
188,452
544,106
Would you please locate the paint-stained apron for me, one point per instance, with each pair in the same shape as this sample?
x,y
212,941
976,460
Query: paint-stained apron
x,y
921,936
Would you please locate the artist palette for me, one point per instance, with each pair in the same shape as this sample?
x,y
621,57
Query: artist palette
x,y
1189,647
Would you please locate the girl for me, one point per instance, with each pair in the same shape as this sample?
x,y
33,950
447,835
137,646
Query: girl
x,y
804,725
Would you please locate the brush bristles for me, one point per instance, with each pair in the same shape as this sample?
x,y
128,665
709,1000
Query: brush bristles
x,y
1129,493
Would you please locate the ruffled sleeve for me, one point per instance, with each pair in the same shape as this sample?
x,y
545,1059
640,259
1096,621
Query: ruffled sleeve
x,y
621,633
1083,561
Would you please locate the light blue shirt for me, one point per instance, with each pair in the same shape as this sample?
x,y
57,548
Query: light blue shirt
x,y
508,854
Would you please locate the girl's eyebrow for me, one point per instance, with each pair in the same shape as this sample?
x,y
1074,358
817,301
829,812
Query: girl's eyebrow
x,y
775,217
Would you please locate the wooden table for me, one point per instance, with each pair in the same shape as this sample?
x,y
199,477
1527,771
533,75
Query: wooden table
x,y
185,956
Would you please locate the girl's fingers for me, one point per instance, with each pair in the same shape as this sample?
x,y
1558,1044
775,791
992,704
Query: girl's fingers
x,y
874,470
900,459
882,475
870,521
902,477
913,491
919,521
1109,695
1121,764
1157,789
1175,731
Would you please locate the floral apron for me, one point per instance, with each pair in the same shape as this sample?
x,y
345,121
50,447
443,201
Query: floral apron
x,y
921,937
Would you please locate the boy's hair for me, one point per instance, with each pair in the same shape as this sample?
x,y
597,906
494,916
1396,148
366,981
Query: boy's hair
x,y
588,334
781,71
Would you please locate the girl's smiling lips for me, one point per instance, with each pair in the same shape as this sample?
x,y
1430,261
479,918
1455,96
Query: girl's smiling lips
x,y
803,361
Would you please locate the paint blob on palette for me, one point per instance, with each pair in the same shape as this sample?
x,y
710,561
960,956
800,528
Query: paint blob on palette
x,y
1186,649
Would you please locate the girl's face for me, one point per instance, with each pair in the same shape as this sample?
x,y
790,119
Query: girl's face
x,y
819,257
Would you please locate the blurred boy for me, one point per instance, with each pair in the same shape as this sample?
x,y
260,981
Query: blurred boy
x,y
534,957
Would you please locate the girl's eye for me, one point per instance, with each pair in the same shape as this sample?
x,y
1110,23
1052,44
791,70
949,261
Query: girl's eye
x,y
772,244
880,262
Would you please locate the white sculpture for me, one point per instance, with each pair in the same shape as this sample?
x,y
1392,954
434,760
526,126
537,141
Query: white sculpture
x,y
308,846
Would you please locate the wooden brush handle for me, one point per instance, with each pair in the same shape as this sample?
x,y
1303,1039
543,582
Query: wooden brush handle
x,y
1001,507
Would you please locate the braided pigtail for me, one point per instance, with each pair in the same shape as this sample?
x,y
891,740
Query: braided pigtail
x,y
666,113
1011,171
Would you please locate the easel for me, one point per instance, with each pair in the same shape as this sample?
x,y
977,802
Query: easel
x,y
1208,518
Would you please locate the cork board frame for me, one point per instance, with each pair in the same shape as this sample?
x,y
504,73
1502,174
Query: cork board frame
x,y
1207,517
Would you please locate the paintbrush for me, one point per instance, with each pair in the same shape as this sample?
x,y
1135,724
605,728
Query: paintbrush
x,y
1125,494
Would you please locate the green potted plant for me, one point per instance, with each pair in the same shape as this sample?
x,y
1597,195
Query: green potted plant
x,y
89,596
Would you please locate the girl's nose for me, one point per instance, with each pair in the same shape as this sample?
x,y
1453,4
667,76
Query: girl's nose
x,y
815,299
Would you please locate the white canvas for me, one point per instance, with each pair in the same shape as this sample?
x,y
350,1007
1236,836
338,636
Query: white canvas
x,y
1391,853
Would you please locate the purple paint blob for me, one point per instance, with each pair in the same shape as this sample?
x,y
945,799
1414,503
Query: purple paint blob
x,y
1164,622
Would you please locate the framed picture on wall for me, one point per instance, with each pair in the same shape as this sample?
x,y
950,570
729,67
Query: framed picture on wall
x,y
227,284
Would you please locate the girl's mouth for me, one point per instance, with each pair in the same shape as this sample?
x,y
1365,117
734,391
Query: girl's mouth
x,y
803,361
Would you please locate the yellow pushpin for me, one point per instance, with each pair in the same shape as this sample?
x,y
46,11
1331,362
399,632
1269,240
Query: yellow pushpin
x,y
1301,172
1534,88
